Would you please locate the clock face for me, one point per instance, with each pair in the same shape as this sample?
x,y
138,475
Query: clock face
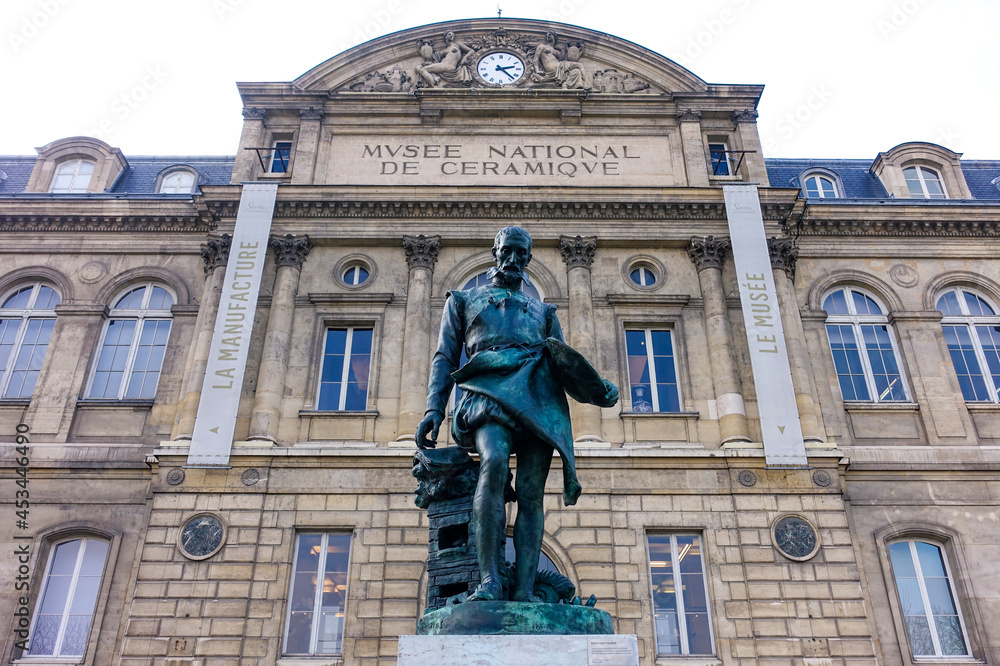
x,y
202,536
795,538
500,68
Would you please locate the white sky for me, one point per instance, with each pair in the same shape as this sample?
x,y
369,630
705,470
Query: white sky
x,y
843,79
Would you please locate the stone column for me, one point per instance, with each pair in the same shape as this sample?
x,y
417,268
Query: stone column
x,y
304,162
215,253
693,145
753,159
783,258
709,254
421,255
246,164
578,253
289,253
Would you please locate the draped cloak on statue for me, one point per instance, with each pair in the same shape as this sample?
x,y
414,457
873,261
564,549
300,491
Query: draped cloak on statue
x,y
518,373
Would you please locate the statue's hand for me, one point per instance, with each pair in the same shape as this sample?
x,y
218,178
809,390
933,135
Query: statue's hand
x,y
611,397
431,423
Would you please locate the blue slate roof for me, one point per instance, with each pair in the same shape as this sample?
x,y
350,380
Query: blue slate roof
x,y
18,169
979,174
140,177
858,181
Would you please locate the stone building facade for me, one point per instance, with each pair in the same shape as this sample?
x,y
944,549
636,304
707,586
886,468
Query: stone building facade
x,y
395,164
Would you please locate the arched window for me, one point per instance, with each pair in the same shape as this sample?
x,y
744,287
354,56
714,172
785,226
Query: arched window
x,y
863,347
72,177
972,332
27,318
924,183
820,187
65,609
927,599
177,182
132,345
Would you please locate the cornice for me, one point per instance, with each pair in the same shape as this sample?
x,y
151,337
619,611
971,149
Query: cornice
x,y
46,214
952,219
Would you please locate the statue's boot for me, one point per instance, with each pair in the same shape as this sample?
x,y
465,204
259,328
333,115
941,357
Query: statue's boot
x,y
488,590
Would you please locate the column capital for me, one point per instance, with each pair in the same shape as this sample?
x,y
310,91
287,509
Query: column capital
x,y
421,251
215,251
254,113
708,252
744,116
689,116
311,114
784,254
578,250
290,250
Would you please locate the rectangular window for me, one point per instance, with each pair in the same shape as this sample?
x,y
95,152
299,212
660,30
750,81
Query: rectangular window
x,y
652,371
280,156
315,623
720,159
344,375
680,595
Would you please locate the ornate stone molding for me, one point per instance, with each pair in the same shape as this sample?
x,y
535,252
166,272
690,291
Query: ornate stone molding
x,y
290,250
578,250
129,224
744,116
311,114
784,254
689,116
215,252
253,113
708,252
421,250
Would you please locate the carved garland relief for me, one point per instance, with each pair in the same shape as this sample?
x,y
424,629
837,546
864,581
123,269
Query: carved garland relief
x,y
452,61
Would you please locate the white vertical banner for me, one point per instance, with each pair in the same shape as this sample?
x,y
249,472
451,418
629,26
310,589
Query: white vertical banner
x,y
779,413
215,423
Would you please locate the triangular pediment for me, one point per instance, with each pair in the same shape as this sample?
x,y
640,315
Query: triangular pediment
x,y
451,55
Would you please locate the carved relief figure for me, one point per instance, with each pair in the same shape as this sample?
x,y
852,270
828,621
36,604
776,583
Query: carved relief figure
x,y
556,67
447,66
613,81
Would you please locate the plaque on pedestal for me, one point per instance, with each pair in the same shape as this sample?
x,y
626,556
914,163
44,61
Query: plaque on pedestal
x,y
523,650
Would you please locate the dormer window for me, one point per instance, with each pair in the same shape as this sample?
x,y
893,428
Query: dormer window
x,y
280,156
177,182
721,165
820,187
72,177
924,183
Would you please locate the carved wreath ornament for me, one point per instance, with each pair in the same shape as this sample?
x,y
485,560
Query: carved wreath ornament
x,y
450,61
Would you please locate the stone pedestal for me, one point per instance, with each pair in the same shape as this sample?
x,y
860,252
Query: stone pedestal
x,y
532,650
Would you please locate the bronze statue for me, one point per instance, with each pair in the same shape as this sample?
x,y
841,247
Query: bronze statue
x,y
513,402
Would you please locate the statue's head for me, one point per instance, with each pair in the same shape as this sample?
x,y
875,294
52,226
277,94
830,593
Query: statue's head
x,y
449,36
512,251
550,37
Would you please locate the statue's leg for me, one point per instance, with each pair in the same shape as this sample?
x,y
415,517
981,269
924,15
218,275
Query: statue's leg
x,y
494,443
533,461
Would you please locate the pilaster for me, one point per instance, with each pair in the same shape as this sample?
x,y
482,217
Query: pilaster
x,y
708,255
421,255
578,254
290,253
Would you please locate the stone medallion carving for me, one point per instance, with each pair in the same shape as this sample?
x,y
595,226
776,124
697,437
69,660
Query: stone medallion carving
x,y
250,477
747,478
822,478
466,60
903,275
93,271
175,477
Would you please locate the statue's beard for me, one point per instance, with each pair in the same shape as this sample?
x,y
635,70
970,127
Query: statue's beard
x,y
508,277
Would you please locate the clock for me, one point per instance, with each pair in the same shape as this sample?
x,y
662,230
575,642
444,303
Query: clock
x,y
500,68
202,536
795,538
